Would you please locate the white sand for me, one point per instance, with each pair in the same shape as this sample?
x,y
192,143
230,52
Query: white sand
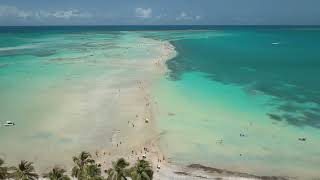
x,y
130,142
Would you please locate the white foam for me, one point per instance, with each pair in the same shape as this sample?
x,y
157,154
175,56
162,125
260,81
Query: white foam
x,y
17,48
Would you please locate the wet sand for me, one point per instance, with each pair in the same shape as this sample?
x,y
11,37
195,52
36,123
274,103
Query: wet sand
x,y
139,137
104,110
119,100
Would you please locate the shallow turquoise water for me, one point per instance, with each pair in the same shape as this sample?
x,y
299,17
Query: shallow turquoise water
x,y
61,88
262,83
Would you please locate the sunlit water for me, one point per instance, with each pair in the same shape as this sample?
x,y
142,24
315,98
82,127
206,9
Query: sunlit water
x,y
241,98
62,90
232,98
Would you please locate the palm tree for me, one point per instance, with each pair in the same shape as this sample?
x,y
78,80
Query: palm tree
x,y
81,161
24,171
118,170
93,172
142,171
3,170
57,174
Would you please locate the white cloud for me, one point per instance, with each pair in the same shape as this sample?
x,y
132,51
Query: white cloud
x,y
63,14
11,11
67,14
143,13
185,17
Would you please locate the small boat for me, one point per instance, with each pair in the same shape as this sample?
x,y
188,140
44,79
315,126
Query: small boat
x,y
275,43
9,123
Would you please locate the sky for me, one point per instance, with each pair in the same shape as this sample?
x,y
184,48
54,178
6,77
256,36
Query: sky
x,y
159,12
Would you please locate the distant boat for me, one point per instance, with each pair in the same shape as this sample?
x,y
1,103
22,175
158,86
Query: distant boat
x,y
9,123
275,43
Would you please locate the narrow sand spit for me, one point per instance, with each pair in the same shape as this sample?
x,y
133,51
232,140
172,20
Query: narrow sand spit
x,y
108,111
137,136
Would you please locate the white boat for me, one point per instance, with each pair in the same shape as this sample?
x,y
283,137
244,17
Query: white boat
x,y
275,43
9,123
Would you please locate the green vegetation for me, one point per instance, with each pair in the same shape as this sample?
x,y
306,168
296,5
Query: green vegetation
x,y
118,170
93,172
142,171
3,170
24,171
57,174
85,169
82,162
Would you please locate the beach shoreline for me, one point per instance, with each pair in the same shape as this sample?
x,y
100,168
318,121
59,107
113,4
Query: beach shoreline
x,y
150,146
104,109
110,111
132,147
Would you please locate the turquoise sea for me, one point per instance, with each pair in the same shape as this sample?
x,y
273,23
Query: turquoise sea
x,y
238,98
241,98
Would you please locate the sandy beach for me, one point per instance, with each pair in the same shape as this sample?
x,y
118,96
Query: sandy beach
x,y
122,94
138,136
104,113
160,89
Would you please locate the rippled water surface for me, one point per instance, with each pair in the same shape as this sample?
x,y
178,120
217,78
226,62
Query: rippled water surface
x,y
235,98
240,98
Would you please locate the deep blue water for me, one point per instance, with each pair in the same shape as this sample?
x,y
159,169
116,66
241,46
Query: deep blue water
x,y
280,62
66,29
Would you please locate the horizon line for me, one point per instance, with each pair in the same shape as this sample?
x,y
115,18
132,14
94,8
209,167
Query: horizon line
x,y
155,25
